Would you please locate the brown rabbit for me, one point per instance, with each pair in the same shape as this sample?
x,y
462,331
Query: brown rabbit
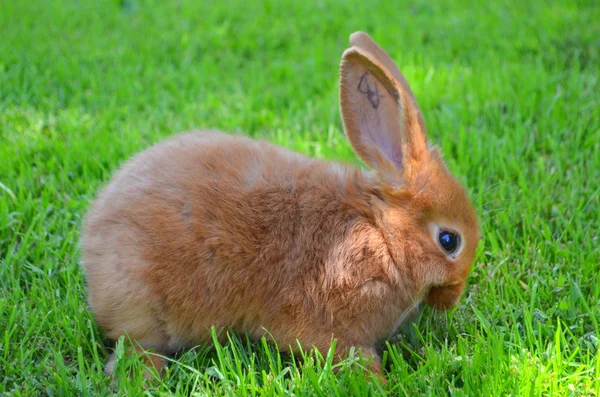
x,y
209,229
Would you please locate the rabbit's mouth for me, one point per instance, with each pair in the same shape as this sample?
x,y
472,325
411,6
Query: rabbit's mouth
x,y
444,297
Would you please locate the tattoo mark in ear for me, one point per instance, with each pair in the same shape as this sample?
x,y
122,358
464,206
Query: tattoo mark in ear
x,y
365,86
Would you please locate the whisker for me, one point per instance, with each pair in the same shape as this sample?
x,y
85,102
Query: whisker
x,y
482,206
496,215
495,210
405,314
494,201
496,185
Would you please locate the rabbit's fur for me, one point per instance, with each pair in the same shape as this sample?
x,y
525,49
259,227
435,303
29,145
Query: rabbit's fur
x,y
210,229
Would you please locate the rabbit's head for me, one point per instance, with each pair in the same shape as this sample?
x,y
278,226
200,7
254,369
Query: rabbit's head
x,y
426,217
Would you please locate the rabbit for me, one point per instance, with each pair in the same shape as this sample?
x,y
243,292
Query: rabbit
x,y
214,229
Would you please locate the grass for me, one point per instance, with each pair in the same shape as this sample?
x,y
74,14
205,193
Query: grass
x,y
509,89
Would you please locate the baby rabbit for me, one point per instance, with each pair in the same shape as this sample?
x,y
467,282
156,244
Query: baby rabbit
x,y
210,229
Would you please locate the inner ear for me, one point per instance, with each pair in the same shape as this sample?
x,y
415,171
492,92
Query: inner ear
x,y
364,41
372,111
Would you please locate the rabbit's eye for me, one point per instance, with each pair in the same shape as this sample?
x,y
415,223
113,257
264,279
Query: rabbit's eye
x,y
449,241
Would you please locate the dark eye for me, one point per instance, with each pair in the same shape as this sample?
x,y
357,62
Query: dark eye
x,y
449,240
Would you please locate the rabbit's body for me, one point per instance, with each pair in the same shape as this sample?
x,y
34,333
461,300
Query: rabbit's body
x,y
268,240
208,229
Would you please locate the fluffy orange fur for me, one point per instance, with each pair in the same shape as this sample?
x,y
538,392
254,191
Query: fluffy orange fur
x,y
209,229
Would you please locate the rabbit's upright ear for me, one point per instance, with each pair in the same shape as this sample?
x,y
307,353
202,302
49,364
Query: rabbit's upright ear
x,y
381,117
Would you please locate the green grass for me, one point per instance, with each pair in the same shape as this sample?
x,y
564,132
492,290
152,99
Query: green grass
x,y
510,90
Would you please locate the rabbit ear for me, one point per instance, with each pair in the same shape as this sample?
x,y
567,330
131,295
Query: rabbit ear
x,y
364,41
381,118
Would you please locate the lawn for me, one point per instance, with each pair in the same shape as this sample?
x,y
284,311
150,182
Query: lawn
x,y
510,91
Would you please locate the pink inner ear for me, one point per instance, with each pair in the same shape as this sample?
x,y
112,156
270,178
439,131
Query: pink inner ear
x,y
372,110
379,114
397,157
382,139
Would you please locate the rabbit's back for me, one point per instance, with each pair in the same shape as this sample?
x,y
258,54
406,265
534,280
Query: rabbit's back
x,y
209,229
